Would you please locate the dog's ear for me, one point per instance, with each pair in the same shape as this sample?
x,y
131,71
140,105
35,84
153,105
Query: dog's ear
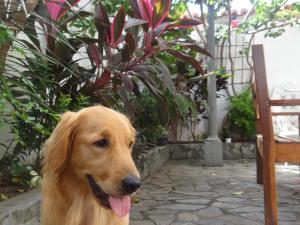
x,y
57,148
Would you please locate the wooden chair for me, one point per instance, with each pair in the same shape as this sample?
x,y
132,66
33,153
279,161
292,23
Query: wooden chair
x,y
271,149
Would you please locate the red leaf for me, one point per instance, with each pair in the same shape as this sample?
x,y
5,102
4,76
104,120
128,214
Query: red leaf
x,y
136,9
104,79
102,21
130,41
117,27
94,54
123,95
53,8
186,58
184,23
131,22
161,29
196,48
160,11
127,82
166,76
146,10
67,6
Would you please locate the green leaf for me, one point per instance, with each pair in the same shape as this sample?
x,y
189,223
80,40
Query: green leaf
x,y
186,58
35,181
33,173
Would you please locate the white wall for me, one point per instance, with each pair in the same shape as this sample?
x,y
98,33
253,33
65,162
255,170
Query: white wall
x,y
282,56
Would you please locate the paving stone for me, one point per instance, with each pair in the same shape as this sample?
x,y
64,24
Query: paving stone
x,y
209,212
247,209
185,193
161,212
212,222
183,223
187,207
225,205
162,219
237,220
200,201
187,216
136,216
230,200
144,222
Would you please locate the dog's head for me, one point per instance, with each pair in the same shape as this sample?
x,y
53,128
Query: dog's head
x,y
96,144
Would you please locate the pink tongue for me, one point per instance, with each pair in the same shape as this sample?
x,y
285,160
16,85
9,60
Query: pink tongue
x,y
120,206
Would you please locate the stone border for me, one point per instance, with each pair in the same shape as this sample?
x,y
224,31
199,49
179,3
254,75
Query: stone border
x,y
23,209
150,161
231,151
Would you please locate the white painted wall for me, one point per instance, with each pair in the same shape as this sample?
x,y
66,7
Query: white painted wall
x,y
282,56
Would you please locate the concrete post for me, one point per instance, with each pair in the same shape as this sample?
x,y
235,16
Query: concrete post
x,y
213,148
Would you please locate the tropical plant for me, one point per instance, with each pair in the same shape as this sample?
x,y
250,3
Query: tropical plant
x,y
59,66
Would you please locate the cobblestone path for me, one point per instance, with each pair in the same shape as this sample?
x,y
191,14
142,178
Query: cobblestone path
x,y
186,193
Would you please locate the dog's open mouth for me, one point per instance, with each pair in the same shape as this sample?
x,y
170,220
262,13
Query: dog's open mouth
x,y
119,205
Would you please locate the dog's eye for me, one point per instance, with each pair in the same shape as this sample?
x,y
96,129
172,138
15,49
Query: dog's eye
x,y
102,143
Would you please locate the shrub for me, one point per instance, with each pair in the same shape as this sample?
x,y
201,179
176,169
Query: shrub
x,y
241,116
46,77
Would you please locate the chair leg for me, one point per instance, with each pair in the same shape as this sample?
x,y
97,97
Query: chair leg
x,y
259,168
271,214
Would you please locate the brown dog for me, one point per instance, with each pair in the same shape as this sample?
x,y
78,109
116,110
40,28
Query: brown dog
x,y
88,171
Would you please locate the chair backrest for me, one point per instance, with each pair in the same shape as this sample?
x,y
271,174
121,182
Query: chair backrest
x,y
286,125
261,95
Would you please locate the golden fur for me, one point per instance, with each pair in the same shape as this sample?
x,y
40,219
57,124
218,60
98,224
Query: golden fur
x,y
70,155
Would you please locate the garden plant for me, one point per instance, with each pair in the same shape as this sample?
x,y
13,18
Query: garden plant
x,y
68,59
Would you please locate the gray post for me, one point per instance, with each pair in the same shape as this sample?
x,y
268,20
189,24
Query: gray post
x,y
213,149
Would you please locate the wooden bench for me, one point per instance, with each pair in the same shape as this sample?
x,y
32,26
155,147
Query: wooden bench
x,y
271,148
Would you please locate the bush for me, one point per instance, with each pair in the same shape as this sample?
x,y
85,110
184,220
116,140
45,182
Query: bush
x,y
241,117
150,122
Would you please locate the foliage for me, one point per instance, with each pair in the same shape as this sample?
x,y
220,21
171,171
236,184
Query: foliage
x,y
31,120
150,121
241,116
271,17
66,63
24,175
5,34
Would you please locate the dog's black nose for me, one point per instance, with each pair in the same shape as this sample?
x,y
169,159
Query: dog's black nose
x,y
130,184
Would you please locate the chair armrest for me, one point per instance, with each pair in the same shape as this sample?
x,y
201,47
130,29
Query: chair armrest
x,y
285,102
285,113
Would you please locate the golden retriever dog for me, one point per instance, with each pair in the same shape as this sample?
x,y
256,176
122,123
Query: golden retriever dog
x,y
89,174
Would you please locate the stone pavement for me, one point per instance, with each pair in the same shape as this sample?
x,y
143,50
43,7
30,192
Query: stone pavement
x,y
186,193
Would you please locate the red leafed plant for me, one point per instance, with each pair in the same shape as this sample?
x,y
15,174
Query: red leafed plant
x,y
62,69
113,61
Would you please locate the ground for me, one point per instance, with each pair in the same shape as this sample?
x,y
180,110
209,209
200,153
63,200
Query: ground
x,y
186,193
